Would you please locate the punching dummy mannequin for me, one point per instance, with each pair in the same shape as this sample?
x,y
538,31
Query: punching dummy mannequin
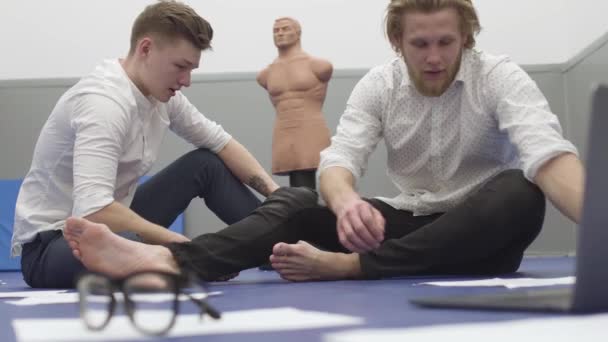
x,y
296,84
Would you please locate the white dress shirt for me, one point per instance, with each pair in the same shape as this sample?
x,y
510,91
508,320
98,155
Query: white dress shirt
x,y
100,138
493,117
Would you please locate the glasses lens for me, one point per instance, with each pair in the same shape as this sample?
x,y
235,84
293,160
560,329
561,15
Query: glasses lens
x,y
151,300
95,300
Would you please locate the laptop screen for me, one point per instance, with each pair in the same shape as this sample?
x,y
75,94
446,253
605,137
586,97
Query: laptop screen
x,y
592,251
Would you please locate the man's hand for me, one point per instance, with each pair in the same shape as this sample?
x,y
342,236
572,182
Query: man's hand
x,y
122,219
360,226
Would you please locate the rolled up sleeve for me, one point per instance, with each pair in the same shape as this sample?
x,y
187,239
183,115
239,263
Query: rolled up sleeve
x,y
523,112
100,126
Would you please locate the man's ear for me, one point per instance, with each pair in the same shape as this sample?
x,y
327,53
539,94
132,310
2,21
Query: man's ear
x,y
144,46
396,43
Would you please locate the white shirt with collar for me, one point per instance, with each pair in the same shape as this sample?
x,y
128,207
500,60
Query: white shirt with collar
x,y
440,149
100,138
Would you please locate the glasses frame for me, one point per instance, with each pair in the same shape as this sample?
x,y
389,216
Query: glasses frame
x,y
178,283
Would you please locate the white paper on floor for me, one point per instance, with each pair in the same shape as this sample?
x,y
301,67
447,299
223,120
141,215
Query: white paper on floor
x,y
30,294
511,283
120,328
72,297
572,328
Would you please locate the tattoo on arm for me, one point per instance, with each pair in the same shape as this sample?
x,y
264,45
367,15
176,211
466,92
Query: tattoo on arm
x,y
257,183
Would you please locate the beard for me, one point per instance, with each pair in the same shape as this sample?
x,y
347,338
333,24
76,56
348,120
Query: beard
x,y
434,88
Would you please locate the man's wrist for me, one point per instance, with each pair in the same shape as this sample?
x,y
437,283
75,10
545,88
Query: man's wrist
x,y
341,202
273,188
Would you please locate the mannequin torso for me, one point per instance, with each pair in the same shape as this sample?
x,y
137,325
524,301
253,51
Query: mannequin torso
x,y
297,86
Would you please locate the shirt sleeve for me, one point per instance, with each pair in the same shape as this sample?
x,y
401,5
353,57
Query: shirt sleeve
x,y
100,126
190,124
523,112
360,127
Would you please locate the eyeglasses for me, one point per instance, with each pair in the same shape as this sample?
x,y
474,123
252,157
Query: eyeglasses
x,y
151,299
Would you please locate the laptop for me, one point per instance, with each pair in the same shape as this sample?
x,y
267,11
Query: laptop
x,y
590,293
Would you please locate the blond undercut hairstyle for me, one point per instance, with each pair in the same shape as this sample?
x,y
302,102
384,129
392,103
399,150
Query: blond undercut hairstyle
x,y
170,20
469,21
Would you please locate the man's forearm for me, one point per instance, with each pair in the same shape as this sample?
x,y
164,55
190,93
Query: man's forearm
x,y
562,181
337,186
120,219
246,168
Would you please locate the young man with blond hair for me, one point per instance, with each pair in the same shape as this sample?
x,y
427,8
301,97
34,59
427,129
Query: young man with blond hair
x,y
105,133
473,149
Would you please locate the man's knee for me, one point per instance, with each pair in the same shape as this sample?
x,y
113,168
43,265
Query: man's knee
x,y
286,201
203,159
300,197
521,206
517,194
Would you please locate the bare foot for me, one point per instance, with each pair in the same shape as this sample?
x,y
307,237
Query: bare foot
x,y
100,250
304,262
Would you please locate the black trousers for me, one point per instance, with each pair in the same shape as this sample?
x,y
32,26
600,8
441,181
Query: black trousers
x,y
486,234
305,178
47,262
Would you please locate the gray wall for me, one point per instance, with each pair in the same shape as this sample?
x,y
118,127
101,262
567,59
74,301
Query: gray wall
x,y
243,108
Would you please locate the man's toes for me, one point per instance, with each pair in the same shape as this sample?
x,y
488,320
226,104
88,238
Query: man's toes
x,y
279,258
280,248
77,254
296,277
290,271
288,275
73,244
304,243
74,224
281,265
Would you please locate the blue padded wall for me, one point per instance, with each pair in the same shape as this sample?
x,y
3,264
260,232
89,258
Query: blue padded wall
x,y
9,188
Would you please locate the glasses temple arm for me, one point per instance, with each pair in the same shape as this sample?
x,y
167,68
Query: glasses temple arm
x,y
206,308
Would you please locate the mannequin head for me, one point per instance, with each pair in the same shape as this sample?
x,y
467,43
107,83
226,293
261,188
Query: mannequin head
x,y
286,32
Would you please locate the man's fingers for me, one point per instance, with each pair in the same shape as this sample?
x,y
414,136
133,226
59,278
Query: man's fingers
x,y
345,234
360,226
362,231
355,234
373,223
379,224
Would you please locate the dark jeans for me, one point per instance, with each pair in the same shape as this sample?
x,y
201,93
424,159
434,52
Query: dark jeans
x,y
47,262
486,234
